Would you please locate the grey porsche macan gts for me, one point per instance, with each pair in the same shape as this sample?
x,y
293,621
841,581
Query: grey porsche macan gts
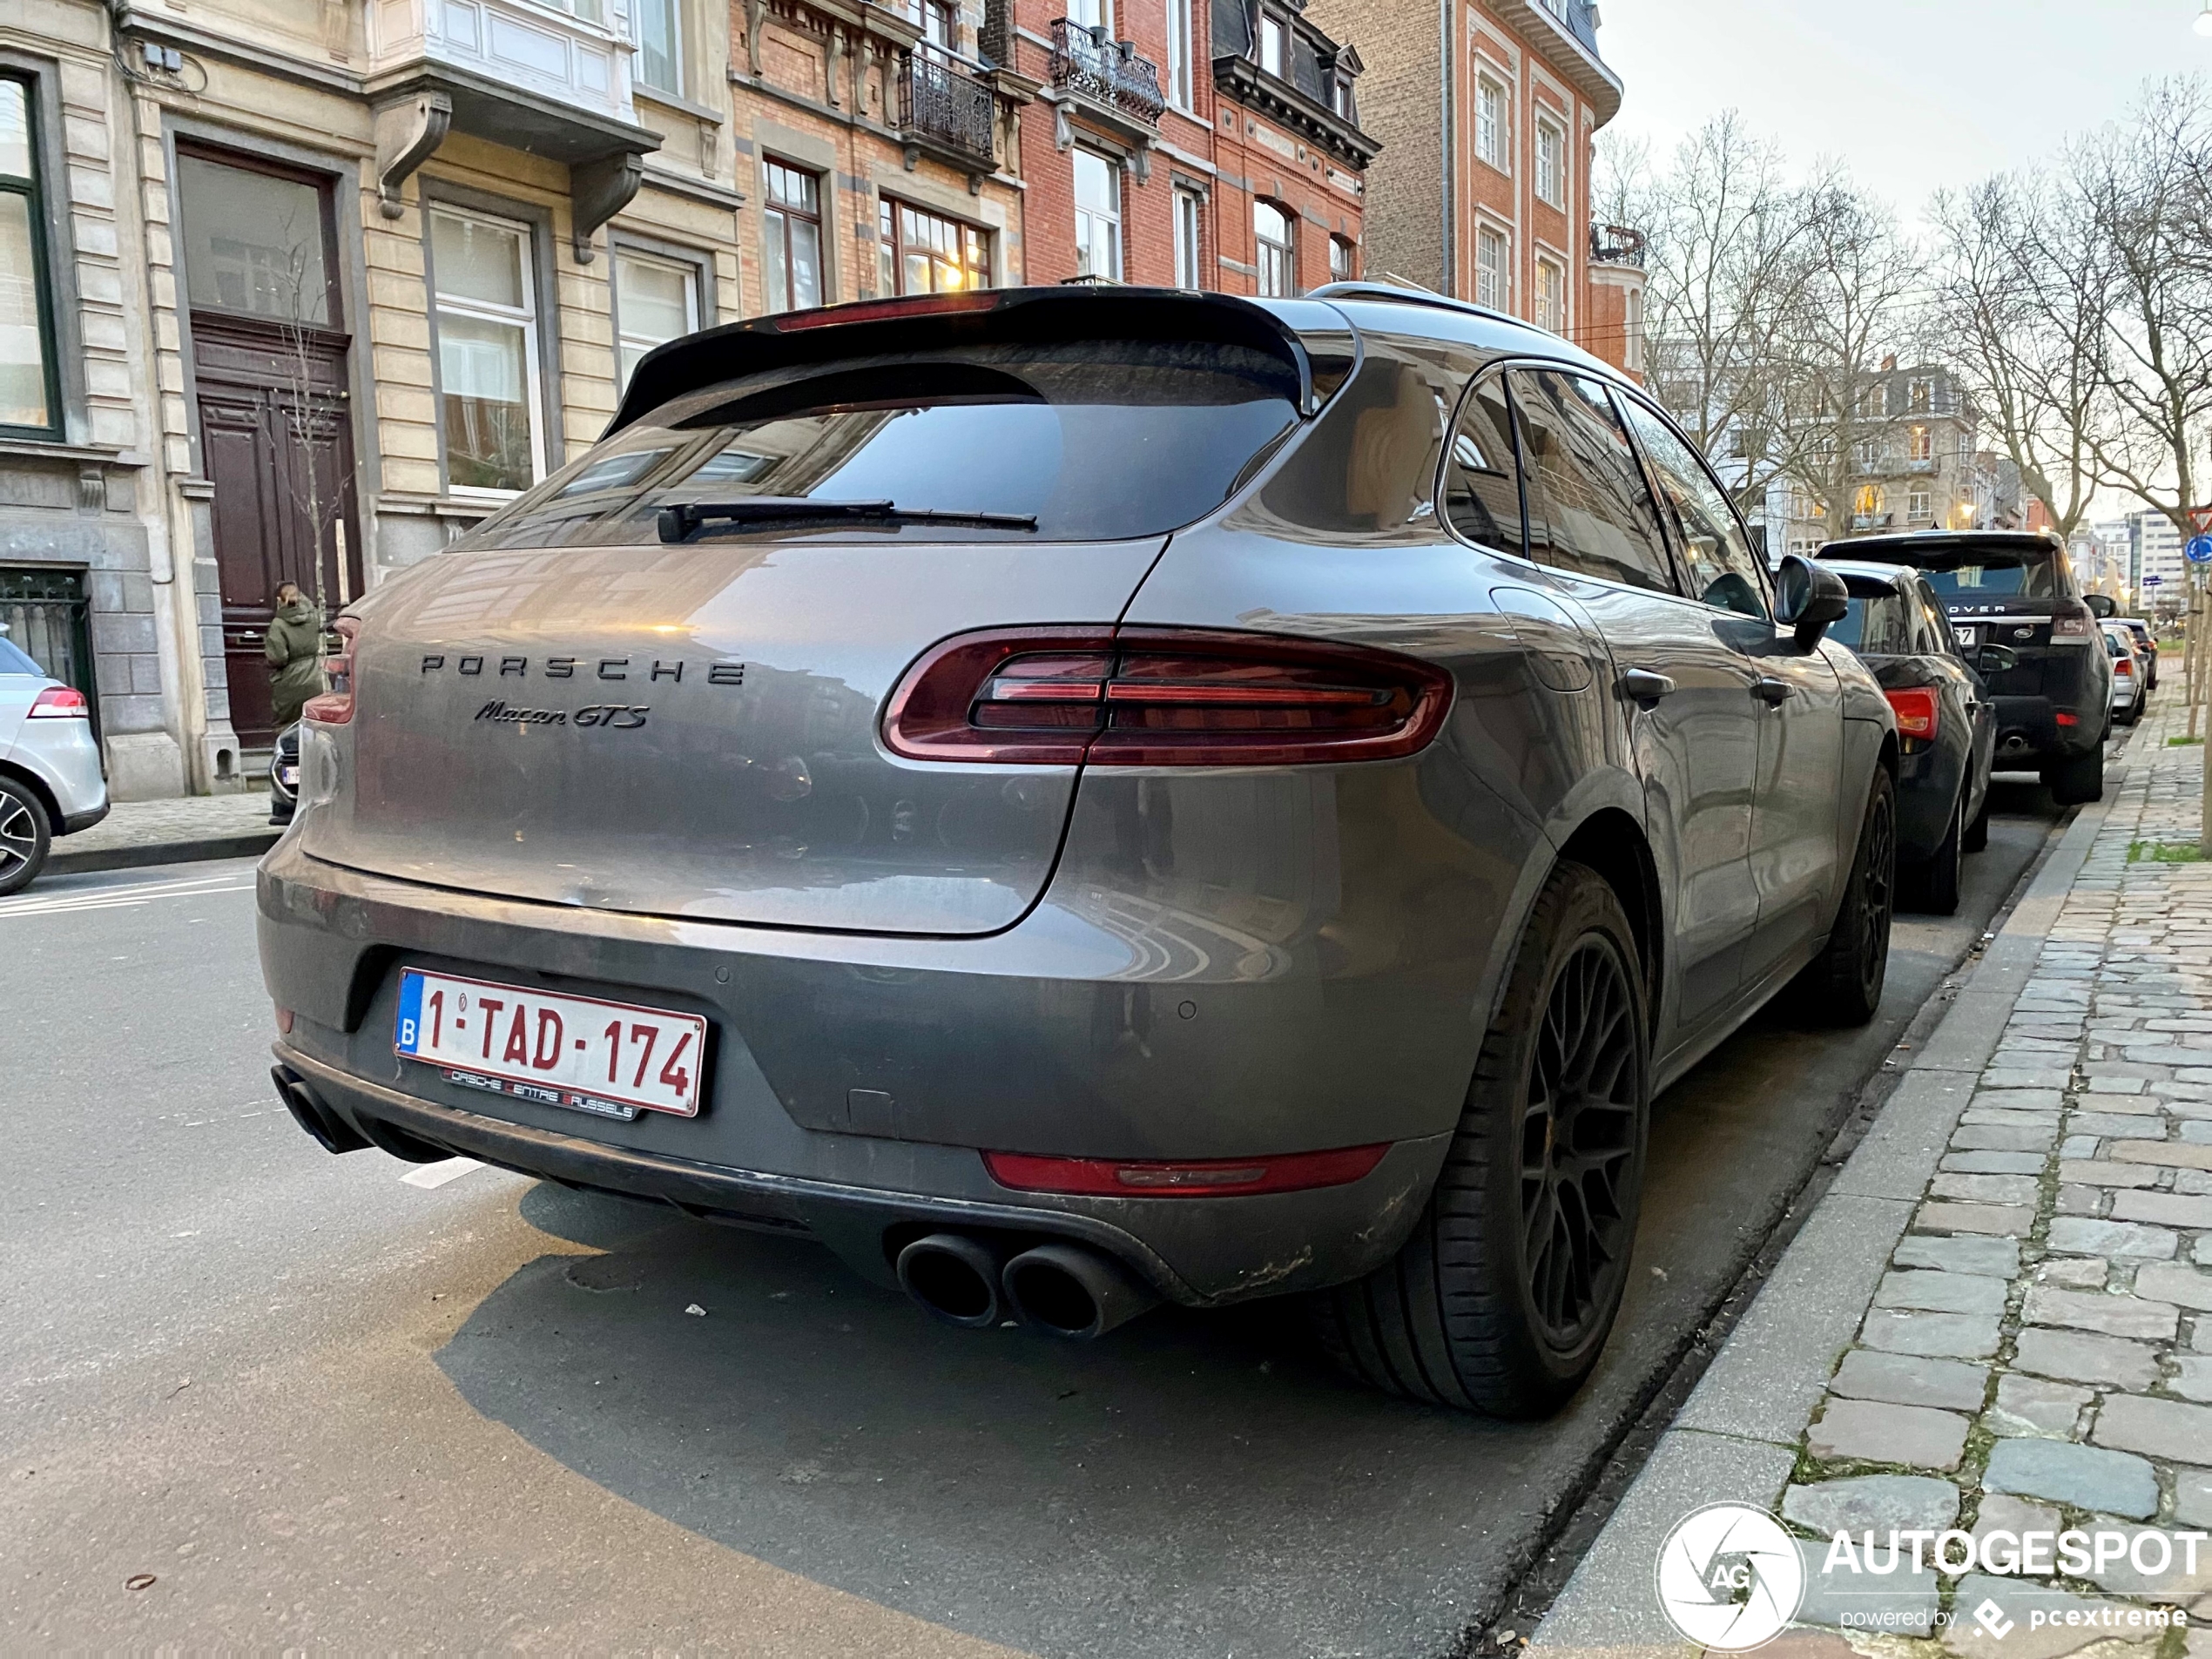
x,y
1081,797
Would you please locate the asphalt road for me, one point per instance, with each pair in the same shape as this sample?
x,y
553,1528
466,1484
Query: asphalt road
x,y
317,1404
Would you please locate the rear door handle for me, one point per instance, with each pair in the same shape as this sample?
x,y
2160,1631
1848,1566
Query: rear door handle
x,y
1642,686
1771,691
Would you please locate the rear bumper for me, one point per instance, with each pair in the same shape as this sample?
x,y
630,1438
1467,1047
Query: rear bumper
x,y
862,1075
84,820
1197,1251
64,758
2028,730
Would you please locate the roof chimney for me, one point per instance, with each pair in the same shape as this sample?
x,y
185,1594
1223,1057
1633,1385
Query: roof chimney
x,y
1889,363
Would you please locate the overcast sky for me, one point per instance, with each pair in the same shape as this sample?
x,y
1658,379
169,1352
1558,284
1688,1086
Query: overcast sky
x,y
1914,94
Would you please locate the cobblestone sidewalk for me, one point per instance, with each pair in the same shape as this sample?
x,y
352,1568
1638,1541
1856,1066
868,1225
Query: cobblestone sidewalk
x,y
2036,1353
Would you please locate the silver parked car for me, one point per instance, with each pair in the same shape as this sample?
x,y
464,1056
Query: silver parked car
x,y
1078,797
50,781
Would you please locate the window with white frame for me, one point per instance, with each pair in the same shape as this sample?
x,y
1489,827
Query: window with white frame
x,y
1179,87
1098,216
1492,287
659,62
1275,251
1918,505
1490,122
1344,259
1551,164
655,301
484,312
1091,13
30,399
1187,221
1551,296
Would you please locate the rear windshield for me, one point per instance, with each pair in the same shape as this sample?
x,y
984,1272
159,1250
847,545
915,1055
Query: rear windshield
x,y
1985,573
14,662
1876,625
1094,440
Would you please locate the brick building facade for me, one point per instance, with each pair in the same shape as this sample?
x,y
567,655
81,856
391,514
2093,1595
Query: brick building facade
x,y
1204,143
1487,112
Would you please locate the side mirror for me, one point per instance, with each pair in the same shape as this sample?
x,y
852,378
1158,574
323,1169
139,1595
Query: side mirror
x,y
2100,605
1808,598
1997,659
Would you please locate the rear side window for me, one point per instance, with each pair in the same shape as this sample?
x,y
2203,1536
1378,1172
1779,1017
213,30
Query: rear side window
x,y
1094,441
1876,625
1481,478
1721,571
1589,510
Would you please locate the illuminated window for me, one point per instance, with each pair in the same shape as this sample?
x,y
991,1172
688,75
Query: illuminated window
x,y
1551,297
925,253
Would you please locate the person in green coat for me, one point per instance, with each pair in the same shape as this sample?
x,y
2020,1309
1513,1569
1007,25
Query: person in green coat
x,y
294,650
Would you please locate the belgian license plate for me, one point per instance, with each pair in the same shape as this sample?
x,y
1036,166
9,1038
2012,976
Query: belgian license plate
x,y
611,1059
1967,637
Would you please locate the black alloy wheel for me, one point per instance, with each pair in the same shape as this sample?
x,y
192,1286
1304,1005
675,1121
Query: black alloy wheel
x,y
1843,985
1503,1295
25,836
1579,1144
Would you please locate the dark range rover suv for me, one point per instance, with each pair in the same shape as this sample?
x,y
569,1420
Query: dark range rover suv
x,y
2016,588
1079,797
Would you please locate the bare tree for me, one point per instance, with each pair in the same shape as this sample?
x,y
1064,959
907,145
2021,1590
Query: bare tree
x,y
1852,313
2021,309
1727,264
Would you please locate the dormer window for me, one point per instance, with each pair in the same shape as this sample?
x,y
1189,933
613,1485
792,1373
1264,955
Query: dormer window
x,y
1273,45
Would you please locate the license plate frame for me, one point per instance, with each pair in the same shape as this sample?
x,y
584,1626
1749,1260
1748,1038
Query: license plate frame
x,y
557,1082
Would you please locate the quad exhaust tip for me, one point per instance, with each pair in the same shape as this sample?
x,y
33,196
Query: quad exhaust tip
x,y
1065,1290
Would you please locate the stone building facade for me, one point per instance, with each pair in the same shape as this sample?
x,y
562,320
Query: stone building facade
x,y
1487,112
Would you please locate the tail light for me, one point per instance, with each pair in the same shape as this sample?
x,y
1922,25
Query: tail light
x,y
1161,697
335,706
2121,665
2075,627
1198,1179
60,703
1917,714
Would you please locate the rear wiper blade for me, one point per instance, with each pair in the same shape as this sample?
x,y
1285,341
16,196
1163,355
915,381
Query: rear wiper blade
x,y
686,520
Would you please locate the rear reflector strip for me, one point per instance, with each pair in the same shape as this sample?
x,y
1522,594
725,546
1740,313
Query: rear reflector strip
x,y
1189,1178
1162,696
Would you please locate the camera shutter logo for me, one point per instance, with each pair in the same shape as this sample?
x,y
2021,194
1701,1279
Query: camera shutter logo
x,y
1729,1577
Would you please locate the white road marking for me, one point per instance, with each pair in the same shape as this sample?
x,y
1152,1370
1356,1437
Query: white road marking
x,y
118,898
436,1175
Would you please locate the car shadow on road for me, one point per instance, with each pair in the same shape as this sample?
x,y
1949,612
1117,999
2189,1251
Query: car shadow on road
x,y
1173,1489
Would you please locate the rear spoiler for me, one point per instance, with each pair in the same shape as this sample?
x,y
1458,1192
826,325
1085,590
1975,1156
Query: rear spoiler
x,y
1320,347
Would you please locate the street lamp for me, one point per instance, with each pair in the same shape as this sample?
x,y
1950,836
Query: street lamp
x,y
2204,19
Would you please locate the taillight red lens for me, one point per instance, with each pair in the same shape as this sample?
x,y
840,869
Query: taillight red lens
x,y
60,703
1917,712
1183,1178
2121,665
1162,696
335,706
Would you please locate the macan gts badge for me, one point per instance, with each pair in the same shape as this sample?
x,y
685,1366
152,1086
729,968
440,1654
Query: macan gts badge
x,y
1112,796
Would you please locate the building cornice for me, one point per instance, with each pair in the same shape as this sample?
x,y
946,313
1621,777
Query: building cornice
x,y
1534,20
1244,82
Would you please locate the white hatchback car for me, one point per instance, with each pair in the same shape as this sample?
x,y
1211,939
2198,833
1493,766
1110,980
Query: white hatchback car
x,y
50,782
2130,673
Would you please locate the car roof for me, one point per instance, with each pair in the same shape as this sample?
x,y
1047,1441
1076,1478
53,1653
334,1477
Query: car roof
x,y
1423,312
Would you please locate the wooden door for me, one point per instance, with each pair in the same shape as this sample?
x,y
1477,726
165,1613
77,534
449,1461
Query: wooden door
x,y
269,371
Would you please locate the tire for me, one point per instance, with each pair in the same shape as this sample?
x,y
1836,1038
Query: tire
x,y
1977,839
1935,884
1843,985
25,837
2077,781
1461,1317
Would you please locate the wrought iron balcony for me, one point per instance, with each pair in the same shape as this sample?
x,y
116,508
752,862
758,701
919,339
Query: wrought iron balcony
x,y
1106,71
944,106
1616,244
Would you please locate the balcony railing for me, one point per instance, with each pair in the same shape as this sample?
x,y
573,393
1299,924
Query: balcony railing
x,y
1872,521
942,102
1106,71
1616,244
